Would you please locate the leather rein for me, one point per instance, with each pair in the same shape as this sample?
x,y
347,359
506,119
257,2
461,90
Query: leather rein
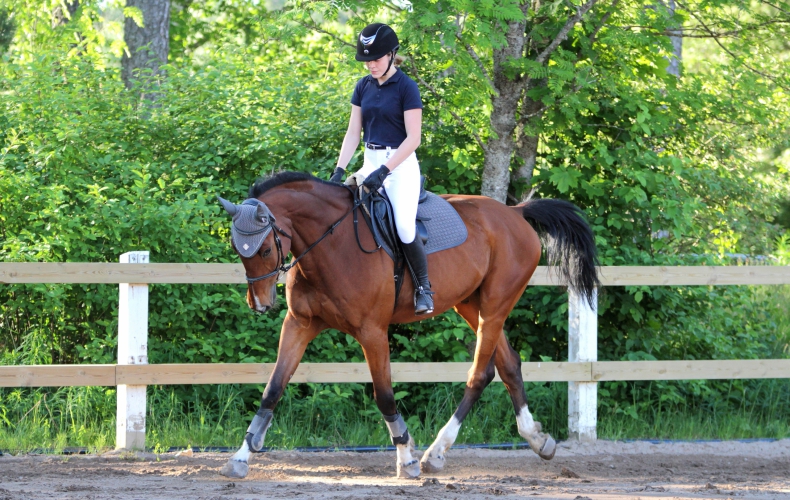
x,y
283,268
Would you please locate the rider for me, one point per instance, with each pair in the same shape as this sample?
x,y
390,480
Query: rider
x,y
387,107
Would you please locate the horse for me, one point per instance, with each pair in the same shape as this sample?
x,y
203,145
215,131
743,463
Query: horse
x,y
335,280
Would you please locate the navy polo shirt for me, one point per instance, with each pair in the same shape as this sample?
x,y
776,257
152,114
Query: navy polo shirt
x,y
383,107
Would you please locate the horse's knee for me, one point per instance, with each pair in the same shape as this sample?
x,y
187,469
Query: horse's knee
x,y
488,376
510,370
385,401
479,381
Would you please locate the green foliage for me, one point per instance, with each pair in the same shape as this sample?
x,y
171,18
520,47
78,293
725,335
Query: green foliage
x,y
667,170
7,29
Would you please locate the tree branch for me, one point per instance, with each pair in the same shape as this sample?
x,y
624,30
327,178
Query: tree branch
x,y
331,35
563,34
605,18
775,7
708,32
725,49
446,107
480,65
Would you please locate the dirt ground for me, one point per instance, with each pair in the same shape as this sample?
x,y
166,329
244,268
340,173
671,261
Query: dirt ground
x,y
597,471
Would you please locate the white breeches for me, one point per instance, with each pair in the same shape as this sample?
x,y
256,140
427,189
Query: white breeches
x,y
402,186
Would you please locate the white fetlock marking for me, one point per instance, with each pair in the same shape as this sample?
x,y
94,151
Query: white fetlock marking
x,y
531,431
444,440
243,455
404,453
526,425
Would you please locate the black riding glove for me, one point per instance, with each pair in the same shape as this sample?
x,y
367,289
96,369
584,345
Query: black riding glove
x,y
337,175
376,178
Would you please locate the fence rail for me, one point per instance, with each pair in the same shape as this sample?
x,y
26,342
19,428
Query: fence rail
x,y
582,371
257,373
109,273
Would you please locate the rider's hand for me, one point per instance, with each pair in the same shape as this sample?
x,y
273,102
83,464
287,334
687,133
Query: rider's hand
x,y
337,175
376,178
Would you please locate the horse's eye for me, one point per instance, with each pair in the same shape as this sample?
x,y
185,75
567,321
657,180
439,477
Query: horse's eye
x,y
267,252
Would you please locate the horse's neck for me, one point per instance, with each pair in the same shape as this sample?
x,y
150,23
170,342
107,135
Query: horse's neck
x,y
312,212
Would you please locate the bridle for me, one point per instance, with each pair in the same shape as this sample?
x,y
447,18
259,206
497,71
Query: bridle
x,y
282,267
278,243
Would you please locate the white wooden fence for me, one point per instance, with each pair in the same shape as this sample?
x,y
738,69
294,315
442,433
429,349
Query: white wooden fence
x,y
583,371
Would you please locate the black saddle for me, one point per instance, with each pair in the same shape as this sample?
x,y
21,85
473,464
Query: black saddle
x,y
438,224
379,209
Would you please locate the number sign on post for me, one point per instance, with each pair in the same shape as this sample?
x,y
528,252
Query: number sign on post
x,y
132,350
582,346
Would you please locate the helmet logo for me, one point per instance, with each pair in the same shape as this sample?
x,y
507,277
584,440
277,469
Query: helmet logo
x,y
367,40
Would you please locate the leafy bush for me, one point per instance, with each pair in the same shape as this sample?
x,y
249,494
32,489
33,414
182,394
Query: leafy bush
x,y
87,172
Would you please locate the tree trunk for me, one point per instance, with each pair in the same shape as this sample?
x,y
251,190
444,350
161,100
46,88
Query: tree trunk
x,y
499,150
60,17
527,145
148,45
676,60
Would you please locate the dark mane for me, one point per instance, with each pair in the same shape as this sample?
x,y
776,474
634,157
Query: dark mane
x,y
264,184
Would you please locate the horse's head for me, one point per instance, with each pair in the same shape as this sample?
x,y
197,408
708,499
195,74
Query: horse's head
x,y
254,236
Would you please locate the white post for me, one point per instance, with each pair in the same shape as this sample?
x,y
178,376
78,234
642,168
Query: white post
x,y
582,346
132,350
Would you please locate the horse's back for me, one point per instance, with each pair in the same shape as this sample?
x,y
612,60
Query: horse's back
x,y
501,249
490,217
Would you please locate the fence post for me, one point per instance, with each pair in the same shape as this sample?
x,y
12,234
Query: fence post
x,y
132,350
582,346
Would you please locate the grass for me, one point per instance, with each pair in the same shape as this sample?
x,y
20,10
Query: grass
x,y
692,426
70,417
341,415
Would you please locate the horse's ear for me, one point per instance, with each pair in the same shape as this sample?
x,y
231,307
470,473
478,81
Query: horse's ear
x,y
228,206
261,212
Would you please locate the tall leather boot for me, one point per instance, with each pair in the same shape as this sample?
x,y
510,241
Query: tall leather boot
x,y
418,261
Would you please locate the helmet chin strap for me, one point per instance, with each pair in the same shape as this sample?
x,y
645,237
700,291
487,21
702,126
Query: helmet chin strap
x,y
392,59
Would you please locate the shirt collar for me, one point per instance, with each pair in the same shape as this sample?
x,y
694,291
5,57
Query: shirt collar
x,y
393,79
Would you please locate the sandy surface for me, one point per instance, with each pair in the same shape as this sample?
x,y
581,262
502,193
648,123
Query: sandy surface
x,y
602,470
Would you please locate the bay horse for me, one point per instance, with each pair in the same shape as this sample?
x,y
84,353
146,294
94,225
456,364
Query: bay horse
x,y
333,283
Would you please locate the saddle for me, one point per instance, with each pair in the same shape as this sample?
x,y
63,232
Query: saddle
x,y
438,225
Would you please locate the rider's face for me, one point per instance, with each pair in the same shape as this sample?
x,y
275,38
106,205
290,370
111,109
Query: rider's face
x,y
379,66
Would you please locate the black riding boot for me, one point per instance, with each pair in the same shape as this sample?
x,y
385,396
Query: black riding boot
x,y
418,261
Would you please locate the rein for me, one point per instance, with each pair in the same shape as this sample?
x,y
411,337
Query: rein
x,y
283,268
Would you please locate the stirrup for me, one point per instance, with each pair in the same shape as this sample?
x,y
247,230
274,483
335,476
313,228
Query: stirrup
x,y
428,296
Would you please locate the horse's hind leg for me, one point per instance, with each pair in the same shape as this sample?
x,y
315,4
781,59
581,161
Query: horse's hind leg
x,y
508,363
296,334
480,375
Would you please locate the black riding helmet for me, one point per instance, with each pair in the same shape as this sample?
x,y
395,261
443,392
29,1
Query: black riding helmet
x,y
375,41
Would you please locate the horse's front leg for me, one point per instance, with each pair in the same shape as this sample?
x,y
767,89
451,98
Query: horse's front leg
x,y
296,334
377,354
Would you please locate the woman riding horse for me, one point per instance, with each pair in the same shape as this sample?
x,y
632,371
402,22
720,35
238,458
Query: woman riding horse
x,y
387,107
334,283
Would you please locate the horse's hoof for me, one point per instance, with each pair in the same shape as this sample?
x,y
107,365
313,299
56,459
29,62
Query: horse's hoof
x,y
547,450
409,470
431,465
235,469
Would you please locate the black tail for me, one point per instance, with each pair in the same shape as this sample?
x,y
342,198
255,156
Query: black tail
x,y
569,243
